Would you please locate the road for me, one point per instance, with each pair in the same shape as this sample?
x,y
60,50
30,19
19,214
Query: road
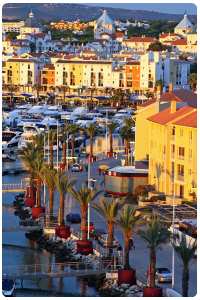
x,y
139,257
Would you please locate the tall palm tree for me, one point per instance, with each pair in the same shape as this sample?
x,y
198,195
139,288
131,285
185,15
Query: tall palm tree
x,y
186,252
109,210
49,179
91,131
52,139
63,185
127,135
154,235
127,221
111,128
38,167
84,196
65,134
73,130
28,157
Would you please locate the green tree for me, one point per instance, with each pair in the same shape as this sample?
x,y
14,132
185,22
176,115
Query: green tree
x,y
111,128
84,196
154,235
63,185
109,210
127,220
91,130
186,251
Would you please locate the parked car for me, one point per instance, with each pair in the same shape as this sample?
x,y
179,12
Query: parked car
x,y
76,168
163,275
73,218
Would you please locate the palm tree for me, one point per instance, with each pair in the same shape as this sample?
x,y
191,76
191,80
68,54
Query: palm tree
x,y
127,135
63,185
38,167
154,235
111,128
73,130
127,220
52,138
28,157
109,211
91,131
84,196
186,252
49,179
64,138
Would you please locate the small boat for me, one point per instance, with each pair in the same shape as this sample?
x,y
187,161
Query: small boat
x,y
8,287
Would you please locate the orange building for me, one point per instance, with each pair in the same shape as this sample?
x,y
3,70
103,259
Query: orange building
x,y
48,77
132,71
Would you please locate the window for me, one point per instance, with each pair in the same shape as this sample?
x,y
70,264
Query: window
x,y
180,170
172,169
190,153
173,130
181,132
181,152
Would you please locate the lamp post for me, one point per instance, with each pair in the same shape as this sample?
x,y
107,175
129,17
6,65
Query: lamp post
x,y
89,187
57,145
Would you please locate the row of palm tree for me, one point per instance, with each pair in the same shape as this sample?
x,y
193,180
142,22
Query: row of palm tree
x,y
154,235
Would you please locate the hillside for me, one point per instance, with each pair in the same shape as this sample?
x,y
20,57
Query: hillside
x,y
57,11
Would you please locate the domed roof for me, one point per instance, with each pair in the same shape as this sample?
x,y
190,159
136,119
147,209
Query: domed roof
x,y
184,23
105,19
31,21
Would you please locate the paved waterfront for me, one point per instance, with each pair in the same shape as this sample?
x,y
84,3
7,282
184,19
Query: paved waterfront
x,y
138,257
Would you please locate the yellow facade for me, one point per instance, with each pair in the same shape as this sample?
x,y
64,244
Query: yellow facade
x,y
173,158
142,138
12,73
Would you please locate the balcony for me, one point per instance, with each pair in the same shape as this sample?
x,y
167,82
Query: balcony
x,y
181,157
180,177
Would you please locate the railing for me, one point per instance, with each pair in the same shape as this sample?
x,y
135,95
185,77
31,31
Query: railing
x,y
57,269
15,186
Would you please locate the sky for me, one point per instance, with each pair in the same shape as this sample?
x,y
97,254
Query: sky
x,y
174,8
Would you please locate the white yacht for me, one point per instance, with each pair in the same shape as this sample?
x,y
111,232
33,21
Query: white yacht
x,y
27,136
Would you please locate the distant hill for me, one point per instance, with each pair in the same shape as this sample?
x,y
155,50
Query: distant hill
x,y
70,12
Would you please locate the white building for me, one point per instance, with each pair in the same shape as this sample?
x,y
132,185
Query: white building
x,y
31,25
184,27
10,26
104,27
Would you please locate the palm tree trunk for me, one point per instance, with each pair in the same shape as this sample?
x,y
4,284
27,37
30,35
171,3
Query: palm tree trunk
x,y
152,267
51,155
126,253
111,144
185,280
126,152
72,145
51,196
62,209
64,153
110,236
91,148
38,193
84,222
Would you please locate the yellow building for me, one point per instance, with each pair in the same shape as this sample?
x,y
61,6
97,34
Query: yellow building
x,y
172,150
12,72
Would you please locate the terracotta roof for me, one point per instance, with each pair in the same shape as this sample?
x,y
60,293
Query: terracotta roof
x,y
141,39
164,35
49,66
133,62
181,95
21,60
166,116
179,42
189,121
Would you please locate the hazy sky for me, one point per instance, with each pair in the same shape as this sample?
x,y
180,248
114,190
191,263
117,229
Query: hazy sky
x,y
176,8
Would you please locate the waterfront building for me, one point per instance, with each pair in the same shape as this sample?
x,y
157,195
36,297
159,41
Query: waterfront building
x,y
132,73
22,72
104,27
172,156
78,73
48,77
